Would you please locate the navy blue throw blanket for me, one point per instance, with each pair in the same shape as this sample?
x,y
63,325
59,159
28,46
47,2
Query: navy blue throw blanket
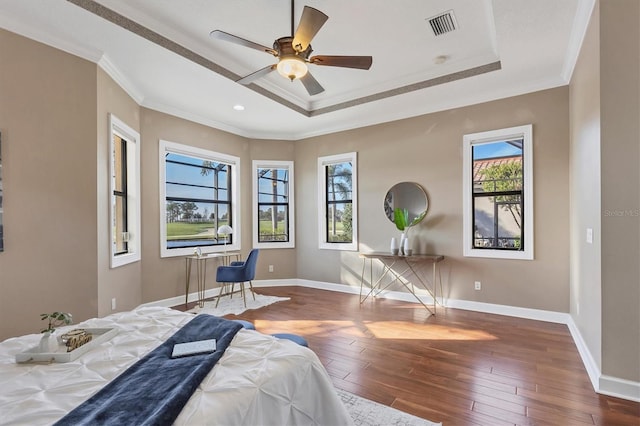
x,y
154,390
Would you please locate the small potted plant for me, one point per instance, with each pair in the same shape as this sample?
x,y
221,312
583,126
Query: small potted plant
x,y
48,342
56,319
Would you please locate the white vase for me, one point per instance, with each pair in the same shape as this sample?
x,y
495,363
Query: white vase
x,y
406,248
48,342
402,238
394,246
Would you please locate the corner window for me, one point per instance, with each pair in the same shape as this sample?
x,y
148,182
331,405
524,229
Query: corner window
x,y
124,188
197,197
337,189
274,215
498,194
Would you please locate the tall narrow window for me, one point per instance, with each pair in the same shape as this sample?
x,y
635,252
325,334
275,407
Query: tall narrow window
x,y
337,189
120,195
273,194
498,194
124,189
198,196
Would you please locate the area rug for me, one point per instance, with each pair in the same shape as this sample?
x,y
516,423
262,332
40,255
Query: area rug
x,y
369,413
235,305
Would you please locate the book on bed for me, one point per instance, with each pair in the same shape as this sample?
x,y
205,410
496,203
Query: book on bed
x,y
193,348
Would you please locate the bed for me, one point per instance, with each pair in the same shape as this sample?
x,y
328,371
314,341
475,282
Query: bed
x,y
259,380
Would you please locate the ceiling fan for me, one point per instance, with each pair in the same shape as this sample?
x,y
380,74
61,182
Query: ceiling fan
x,y
293,52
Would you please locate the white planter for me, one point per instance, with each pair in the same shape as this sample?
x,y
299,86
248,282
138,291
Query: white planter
x,y
48,342
394,246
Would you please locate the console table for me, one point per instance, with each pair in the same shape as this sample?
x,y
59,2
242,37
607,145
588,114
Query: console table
x,y
396,266
201,271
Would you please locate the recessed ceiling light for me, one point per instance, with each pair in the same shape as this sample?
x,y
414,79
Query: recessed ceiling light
x,y
238,107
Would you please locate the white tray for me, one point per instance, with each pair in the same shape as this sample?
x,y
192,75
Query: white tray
x,y
61,355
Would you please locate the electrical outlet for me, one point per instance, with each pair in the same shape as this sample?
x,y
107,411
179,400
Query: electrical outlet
x,y
270,268
590,235
478,285
113,304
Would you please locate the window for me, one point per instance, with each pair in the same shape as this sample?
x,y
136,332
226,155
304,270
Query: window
x,y
274,215
197,196
498,193
337,189
124,190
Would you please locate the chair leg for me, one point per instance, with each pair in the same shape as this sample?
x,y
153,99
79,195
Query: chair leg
x,y
222,288
243,295
251,288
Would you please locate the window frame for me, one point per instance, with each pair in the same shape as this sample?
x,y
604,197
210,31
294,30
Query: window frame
x,y
234,210
323,163
274,164
524,132
131,139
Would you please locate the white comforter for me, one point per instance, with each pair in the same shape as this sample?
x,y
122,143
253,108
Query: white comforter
x,y
259,380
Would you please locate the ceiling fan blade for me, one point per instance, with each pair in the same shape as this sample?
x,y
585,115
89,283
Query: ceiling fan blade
x,y
359,62
310,23
256,75
311,84
221,35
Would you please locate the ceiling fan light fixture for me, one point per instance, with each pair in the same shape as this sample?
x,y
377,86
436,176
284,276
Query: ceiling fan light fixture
x,y
292,67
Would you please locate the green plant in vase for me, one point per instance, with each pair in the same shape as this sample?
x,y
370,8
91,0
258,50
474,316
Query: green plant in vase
x,y
56,319
401,219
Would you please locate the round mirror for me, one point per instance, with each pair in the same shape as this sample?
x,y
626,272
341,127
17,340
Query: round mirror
x,y
409,196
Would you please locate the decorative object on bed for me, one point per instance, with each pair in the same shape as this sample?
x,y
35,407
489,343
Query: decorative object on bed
x,y
235,305
56,319
238,273
258,377
364,412
59,352
48,341
75,338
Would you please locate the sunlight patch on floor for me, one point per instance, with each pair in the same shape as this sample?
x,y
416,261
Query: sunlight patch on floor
x,y
313,327
401,330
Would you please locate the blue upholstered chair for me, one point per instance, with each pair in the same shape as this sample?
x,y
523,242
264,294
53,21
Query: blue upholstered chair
x,y
238,273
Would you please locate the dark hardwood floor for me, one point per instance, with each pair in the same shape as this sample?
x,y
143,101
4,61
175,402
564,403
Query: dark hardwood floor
x,y
458,367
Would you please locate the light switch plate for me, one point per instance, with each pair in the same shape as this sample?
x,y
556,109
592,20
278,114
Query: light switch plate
x,y
589,236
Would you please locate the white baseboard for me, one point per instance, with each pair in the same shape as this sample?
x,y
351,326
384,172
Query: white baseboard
x,y
587,359
620,388
603,384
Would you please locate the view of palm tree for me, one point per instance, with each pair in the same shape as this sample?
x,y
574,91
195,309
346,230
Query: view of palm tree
x,y
197,200
339,204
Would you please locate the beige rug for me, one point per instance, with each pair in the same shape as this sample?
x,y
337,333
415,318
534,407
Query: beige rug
x,y
369,413
235,305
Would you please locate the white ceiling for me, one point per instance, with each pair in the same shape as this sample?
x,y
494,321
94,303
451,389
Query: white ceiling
x,y
534,43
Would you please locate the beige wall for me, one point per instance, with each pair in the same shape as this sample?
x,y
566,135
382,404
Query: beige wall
x,y
428,150
53,122
125,282
48,125
620,151
165,277
585,191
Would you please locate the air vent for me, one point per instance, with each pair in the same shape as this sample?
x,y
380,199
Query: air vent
x,y
443,23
